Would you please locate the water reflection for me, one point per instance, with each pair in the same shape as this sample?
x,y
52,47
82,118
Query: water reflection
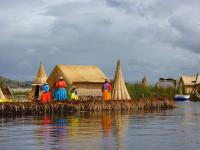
x,y
107,134
172,129
51,131
101,130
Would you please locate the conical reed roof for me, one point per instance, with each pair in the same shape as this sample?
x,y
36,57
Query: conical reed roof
x,y
119,91
41,75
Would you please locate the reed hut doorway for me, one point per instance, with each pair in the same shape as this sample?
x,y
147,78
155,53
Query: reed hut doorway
x,y
37,91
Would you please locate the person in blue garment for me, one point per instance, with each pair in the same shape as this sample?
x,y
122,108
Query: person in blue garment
x,y
46,96
60,90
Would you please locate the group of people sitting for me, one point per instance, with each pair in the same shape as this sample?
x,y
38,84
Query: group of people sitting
x,y
61,94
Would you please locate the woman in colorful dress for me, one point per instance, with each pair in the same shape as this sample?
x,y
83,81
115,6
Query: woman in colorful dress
x,y
46,96
60,90
106,90
73,93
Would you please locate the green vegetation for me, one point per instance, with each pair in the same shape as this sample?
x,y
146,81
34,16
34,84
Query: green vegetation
x,y
18,93
137,90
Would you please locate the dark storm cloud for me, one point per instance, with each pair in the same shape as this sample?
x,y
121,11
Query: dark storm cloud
x,y
128,6
183,28
152,37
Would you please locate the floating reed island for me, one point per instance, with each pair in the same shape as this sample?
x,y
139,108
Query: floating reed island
x,y
121,100
36,108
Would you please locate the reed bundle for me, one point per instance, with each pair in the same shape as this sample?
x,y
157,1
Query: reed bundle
x,y
35,108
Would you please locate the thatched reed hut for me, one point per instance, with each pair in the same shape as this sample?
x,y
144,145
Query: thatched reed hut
x,y
5,93
2,96
145,81
40,79
87,79
166,83
119,91
187,83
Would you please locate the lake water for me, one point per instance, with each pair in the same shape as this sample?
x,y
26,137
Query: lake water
x,y
177,129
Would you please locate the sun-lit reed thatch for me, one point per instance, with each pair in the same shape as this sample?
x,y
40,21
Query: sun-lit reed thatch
x,y
41,76
33,108
87,79
5,93
119,91
40,79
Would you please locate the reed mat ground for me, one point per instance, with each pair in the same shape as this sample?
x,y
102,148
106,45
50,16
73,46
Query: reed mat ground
x,y
36,108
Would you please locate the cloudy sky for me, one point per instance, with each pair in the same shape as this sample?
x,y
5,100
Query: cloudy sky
x,y
156,38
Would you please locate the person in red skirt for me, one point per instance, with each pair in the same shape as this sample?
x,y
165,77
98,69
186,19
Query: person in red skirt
x,y
46,96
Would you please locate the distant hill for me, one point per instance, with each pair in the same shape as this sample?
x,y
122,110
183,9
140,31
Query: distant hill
x,y
14,83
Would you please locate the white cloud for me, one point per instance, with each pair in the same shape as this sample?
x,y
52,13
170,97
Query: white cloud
x,y
152,37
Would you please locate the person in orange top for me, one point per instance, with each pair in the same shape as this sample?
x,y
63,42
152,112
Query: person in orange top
x,y
106,90
46,96
60,90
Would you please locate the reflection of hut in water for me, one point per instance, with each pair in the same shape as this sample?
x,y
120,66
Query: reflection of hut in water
x,y
40,79
145,81
119,91
166,83
121,124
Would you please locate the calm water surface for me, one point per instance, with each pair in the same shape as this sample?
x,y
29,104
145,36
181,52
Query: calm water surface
x,y
177,129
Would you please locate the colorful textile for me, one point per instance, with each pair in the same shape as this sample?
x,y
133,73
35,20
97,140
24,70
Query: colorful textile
x,y
60,84
73,95
107,86
45,88
106,91
106,95
45,97
60,94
